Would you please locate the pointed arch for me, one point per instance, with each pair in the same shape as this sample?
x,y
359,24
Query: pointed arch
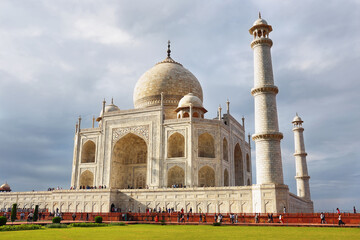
x,y
248,164
88,152
225,150
206,177
129,162
176,145
206,146
239,166
176,176
86,178
226,178
185,115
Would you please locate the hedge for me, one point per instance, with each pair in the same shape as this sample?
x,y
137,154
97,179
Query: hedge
x,y
3,220
56,220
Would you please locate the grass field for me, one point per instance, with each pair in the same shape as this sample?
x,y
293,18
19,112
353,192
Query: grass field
x,y
140,231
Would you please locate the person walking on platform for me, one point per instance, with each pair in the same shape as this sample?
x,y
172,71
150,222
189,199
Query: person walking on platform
x,y
340,221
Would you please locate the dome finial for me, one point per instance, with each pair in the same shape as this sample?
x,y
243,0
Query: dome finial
x,y
259,14
112,100
168,51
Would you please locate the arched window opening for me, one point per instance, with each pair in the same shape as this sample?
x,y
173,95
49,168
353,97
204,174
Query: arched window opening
x,y
176,145
195,114
129,163
86,179
206,146
186,115
225,150
239,166
140,181
206,177
88,152
226,178
248,166
176,177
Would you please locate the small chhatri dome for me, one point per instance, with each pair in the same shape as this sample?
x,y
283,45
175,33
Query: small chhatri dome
x,y
188,99
5,187
109,108
169,77
297,119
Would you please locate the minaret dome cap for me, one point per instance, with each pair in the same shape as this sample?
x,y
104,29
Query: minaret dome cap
x,y
297,119
260,21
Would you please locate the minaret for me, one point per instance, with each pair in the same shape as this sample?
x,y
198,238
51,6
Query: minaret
x,y
302,177
267,136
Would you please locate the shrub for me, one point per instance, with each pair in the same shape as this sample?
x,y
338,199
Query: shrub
x,y
56,220
3,220
117,224
56,225
217,224
13,212
20,227
162,222
36,213
85,224
98,219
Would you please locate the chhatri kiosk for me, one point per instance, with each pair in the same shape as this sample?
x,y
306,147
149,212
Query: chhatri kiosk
x,y
165,152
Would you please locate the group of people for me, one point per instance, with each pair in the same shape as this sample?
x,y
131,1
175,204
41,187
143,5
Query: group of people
x,y
89,187
233,218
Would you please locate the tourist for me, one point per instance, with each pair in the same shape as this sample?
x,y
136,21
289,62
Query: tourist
x,y
200,218
354,209
322,217
187,217
340,221
74,216
215,218
190,210
281,220
22,216
256,218
284,209
236,218
338,210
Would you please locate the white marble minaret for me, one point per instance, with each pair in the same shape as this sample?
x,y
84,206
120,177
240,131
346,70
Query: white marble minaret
x,y
302,177
267,136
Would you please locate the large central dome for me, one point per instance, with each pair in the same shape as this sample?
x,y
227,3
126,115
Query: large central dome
x,y
167,77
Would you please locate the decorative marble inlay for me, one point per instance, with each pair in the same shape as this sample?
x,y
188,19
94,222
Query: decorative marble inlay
x,y
142,131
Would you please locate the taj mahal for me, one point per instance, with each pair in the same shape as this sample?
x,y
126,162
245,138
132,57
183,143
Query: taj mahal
x,y
166,153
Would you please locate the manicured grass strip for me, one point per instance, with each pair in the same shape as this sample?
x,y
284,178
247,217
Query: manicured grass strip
x,y
182,232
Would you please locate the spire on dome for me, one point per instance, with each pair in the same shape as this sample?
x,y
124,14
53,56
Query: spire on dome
x,y
259,14
168,51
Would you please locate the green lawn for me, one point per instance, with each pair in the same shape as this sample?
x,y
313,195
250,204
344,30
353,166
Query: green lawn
x,y
158,232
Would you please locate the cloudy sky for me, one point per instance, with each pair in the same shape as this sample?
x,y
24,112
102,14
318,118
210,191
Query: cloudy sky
x,y
59,59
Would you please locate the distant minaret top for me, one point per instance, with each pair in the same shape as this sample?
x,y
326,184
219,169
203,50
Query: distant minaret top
x,y
260,24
